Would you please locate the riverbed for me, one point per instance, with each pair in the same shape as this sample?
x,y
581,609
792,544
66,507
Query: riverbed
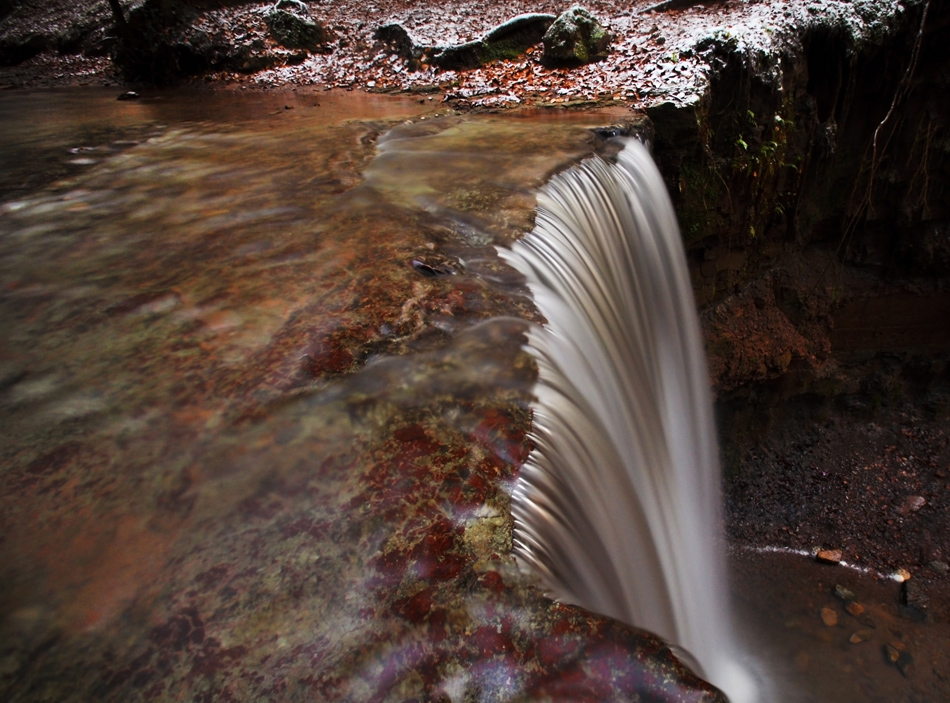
x,y
264,398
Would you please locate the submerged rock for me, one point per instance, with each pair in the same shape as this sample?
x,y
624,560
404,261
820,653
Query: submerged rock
x,y
896,654
575,38
844,594
914,600
829,617
860,636
941,567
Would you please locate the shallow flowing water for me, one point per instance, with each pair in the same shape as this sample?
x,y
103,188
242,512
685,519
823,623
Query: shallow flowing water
x,y
263,399
618,506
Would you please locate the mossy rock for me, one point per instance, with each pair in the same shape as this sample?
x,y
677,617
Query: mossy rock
x,y
508,40
575,38
294,32
294,6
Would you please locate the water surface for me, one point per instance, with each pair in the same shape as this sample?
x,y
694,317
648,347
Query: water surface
x,y
263,394
262,400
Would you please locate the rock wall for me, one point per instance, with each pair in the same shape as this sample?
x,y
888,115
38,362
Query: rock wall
x,y
836,135
810,183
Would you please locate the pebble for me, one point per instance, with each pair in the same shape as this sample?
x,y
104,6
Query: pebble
x,y
860,636
896,653
912,504
854,609
829,617
901,575
829,556
843,593
941,567
802,660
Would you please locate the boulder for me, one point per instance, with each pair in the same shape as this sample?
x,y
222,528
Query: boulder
x,y
506,41
575,38
163,41
399,40
295,6
292,31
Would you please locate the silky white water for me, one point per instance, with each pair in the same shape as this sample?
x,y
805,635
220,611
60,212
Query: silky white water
x,y
618,507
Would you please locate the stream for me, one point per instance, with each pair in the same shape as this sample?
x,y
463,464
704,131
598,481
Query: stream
x,y
263,399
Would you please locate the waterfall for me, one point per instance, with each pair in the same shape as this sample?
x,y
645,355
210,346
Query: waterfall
x,y
618,506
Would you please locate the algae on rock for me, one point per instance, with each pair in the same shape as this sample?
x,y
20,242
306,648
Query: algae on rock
x,y
575,38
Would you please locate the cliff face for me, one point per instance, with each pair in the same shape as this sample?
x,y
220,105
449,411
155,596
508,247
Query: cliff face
x,y
834,133
811,184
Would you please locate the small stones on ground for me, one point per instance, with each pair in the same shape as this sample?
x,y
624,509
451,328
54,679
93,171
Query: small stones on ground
x,y
912,504
432,268
829,617
829,556
892,651
802,660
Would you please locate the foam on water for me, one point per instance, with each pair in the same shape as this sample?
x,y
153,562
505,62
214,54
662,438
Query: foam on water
x,y
618,508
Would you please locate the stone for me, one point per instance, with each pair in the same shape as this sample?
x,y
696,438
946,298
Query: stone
x,y
294,32
940,567
860,636
575,38
829,556
854,609
842,593
295,6
912,504
896,654
829,617
914,600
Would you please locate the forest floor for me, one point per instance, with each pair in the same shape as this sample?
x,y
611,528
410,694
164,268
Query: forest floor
x,y
654,55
